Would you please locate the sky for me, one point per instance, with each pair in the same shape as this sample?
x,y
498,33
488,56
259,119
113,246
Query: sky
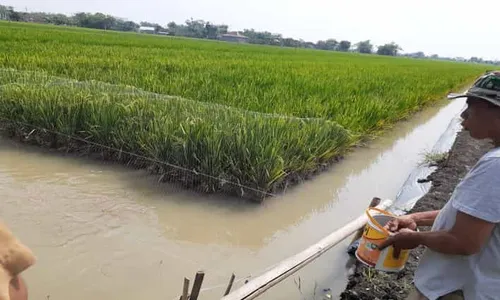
x,y
453,28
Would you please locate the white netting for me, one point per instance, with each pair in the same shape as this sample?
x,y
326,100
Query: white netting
x,y
204,146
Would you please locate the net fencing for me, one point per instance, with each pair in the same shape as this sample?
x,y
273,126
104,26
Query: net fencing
x,y
204,147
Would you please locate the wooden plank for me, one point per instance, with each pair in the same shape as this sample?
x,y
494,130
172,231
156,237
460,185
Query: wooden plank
x,y
289,266
185,289
198,281
230,285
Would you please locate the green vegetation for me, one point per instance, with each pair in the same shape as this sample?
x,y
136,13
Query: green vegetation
x,y
434,158
255,115
231,144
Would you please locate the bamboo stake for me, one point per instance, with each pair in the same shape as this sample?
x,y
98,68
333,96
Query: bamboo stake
x,y
198,281
185,289
230,285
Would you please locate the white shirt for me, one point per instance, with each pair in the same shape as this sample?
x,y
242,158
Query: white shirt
x,y
478,275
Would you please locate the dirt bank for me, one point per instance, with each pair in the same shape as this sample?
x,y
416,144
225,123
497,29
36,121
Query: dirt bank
x,y
367,283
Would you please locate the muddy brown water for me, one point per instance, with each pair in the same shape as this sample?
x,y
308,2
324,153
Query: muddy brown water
x,y
103,231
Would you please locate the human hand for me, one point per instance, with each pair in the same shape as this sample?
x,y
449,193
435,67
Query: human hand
x,y
402,222
403,239
17,289
15,258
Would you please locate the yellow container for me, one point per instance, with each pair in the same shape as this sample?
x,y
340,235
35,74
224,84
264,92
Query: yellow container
x,y
373,236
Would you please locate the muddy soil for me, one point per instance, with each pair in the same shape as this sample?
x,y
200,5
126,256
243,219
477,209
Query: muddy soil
x,y
367,283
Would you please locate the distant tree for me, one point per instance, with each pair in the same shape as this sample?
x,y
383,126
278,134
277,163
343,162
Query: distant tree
x,y
211,31
156,26
9,13
123,25
181,30
148,24
196,28
420,54
13,15
38,17
364,47
159,28
207,30
389,49
84,20
223,29
263,38
321,45
331,44
97,21
172,28
309,45
5,12
290,42
80,19
476,60
344,46
104,21
59,19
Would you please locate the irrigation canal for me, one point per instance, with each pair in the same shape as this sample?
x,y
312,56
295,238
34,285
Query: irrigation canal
x,y
103,231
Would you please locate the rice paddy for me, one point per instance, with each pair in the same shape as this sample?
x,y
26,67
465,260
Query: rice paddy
x,y
243,115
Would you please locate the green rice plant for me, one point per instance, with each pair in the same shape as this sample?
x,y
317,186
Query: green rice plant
x,y
360,92
255,150
252,115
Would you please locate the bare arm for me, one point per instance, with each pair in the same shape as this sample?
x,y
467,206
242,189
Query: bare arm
x,y
478,211
412,221
467,237
425,218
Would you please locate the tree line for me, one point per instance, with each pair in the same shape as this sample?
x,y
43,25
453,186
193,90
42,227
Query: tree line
x,y
206,30
191,28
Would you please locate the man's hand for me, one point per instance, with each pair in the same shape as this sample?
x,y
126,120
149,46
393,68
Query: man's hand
x,y
402,222
404,239
411,221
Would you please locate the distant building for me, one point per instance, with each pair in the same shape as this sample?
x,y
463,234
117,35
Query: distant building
x,y
145,29
234,37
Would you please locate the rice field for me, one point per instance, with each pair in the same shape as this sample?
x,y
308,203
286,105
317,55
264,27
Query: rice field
x,y
252,115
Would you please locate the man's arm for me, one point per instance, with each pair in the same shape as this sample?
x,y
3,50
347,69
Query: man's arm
x,y
467,237
425,218
412,221
477,201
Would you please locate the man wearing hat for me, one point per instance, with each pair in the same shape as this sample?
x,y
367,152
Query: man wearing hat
x,y
462,256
